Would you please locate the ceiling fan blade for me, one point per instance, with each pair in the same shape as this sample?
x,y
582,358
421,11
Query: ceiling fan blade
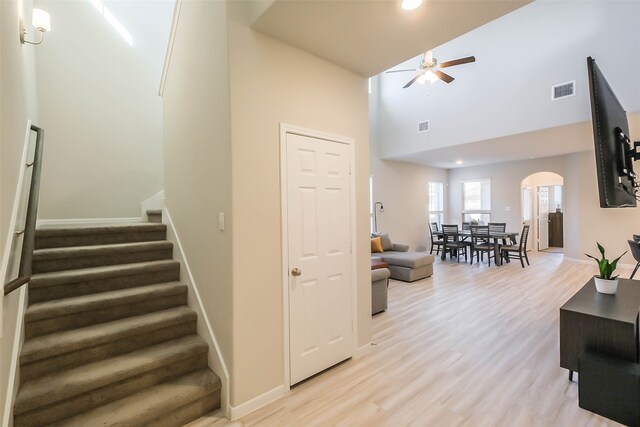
x,y
458,62
444,77
412,81
399,71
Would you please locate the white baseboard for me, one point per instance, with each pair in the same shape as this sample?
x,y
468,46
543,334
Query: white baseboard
x,y
361,351
216,361
12,380
154,202
82,221
257,402
8,267
591,262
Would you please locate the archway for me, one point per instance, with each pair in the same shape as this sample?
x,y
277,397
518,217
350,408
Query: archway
x,y
542,209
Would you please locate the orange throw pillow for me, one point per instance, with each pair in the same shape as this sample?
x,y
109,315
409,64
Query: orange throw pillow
x,y
376,245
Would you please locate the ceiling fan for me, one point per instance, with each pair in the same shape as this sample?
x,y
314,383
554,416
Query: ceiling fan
x,y
428,70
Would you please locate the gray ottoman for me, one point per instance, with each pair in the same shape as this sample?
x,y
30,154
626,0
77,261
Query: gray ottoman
x,y
409,266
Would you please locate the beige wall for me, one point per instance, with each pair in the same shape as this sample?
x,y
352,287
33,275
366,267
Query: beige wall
x,y
197,157
273,83
506,180
401,187
17,106
584,220
99,104
404,191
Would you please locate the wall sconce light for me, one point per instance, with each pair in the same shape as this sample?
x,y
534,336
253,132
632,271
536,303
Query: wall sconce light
x,y
41,21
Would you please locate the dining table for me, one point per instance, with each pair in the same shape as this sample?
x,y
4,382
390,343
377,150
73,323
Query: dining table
x,y
496,236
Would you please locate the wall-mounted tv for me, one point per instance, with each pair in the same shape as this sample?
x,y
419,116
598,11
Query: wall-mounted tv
x,y
615,153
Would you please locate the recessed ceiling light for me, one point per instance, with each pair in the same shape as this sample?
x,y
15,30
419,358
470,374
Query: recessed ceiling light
x,y
411,4
459,162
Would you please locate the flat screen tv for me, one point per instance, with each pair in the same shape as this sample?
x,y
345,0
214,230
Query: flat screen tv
x,y
615,153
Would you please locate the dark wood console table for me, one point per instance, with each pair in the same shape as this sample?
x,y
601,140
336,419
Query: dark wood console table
x,y
606,324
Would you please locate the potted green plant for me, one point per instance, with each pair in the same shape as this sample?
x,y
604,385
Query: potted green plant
x,y
604,282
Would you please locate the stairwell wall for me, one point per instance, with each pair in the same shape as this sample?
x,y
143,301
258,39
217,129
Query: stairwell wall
x,y
273,83
197,157
99,105
18,105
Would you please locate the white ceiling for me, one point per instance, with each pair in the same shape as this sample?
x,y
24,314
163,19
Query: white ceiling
x,y
369,36
499,108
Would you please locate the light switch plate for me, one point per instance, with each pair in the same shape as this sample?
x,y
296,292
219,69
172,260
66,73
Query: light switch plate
x,y
221,221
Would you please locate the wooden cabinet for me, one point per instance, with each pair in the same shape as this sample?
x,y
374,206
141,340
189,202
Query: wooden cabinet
x,y
555,230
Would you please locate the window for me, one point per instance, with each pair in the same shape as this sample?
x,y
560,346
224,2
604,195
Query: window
x,y
476,201
436,202
371,203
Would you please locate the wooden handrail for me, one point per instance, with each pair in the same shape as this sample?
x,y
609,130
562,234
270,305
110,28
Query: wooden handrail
x,y
28,242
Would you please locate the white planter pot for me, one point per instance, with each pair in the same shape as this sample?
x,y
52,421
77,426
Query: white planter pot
x,y
606,286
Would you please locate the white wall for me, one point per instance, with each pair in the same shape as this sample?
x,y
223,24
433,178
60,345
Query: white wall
x,y
17,106
99,105
197,160
273,83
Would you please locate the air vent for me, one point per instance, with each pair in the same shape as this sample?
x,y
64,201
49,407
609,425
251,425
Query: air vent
x,y
423,126
563,90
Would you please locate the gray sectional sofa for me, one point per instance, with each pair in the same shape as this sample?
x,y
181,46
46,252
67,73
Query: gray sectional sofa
x,y
404,265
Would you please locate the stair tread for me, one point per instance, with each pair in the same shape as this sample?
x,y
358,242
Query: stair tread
x,y
72,382
77,275
65,252
73,305
147,405
49,345
154,211
75,230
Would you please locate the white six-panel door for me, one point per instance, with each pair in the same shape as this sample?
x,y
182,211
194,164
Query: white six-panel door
x,y
319,235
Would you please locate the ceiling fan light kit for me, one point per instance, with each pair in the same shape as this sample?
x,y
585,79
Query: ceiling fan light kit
x,y
410,4
429,69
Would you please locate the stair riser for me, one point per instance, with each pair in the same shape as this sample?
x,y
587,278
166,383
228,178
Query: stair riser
x,y
107,314
85,401
191,412
115,258
39,293
72,359
155,218
65,241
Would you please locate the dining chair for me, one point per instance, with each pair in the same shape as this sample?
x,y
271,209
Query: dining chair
x,y
518,251
452,242
481,243
435,240
634,245
466,226
499,227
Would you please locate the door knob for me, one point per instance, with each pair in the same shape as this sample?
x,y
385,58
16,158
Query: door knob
x,y
296,272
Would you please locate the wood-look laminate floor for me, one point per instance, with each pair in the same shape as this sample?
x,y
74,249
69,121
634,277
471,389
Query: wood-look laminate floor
x,y
471,346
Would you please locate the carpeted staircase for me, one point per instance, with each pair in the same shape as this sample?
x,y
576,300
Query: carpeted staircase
x,y
109,339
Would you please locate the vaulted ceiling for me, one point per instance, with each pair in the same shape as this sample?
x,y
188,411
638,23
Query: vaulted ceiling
x,y
498,108
369,36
